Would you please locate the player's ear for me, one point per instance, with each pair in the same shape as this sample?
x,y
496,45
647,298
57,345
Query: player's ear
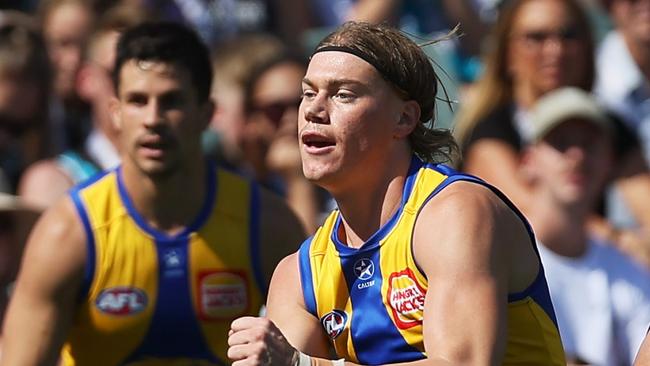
x,y
114,108
408,118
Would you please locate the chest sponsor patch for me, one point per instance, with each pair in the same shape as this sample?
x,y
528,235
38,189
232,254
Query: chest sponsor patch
x,y
406,299
121,300
334,322
222,295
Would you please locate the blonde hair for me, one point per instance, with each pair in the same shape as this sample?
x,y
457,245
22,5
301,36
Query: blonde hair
x,y
494,89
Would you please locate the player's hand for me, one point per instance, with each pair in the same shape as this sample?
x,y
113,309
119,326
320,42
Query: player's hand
x,y
257,341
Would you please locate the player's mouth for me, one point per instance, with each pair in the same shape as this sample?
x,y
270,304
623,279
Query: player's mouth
x,y
153,146
316,143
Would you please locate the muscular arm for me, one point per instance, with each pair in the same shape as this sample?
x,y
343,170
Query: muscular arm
x,y
43,302
482,252
486,254
643,358
288,328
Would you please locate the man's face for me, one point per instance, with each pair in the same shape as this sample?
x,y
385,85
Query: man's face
x,y
572,162
65,30
347,119
159,117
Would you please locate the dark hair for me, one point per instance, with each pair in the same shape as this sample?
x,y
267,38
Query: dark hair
x,y
404,65
23,53
166,42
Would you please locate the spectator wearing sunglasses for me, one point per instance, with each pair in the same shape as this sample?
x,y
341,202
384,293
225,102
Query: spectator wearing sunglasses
x,y
539,46
269,141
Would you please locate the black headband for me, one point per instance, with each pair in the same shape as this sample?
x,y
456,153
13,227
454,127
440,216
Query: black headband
x,y
364,56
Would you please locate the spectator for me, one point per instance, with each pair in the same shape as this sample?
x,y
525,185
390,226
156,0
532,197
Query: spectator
x,y
626,49
46,181
270,137
65,25
537,46
420,18
601,296
24,94
233,64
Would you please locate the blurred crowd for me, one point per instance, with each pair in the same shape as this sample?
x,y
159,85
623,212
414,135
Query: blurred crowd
x,y
549,101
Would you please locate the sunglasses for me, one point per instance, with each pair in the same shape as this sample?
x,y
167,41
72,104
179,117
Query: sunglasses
x,y
274,111
539,37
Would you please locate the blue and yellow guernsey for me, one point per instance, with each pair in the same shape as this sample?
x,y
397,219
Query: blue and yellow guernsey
x,y
370,301
151,298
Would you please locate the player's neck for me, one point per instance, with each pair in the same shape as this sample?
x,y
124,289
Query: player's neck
x,y
171,203
368,206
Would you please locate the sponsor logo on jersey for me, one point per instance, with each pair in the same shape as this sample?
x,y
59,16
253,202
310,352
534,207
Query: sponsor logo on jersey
x,y
334,322
222,294
364,268
406,299
121,300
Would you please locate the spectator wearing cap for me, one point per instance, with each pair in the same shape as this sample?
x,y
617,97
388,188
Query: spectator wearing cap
x,y
601,296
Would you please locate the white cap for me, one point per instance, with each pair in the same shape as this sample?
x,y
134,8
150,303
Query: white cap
x,y
564,104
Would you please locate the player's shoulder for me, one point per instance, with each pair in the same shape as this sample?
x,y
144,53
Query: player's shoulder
x,y
466,198
471,212
57,241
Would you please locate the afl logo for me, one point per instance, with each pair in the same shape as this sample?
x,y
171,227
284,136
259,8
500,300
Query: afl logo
x,y
334,322
121,300
364,269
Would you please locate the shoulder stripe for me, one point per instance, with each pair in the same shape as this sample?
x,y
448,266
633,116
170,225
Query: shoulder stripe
x,y
306,276
89,268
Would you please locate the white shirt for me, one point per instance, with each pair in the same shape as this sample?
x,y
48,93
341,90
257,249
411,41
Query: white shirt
x,y
602,303
622,87
101,150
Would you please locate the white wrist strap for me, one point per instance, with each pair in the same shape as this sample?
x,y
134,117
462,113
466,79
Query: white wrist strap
x,y
305,360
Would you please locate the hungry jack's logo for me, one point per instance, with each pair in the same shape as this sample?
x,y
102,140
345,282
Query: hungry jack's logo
x,y
406,299
222,294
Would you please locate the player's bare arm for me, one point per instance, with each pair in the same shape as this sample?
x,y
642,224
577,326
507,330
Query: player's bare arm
x,y
469,273
43,301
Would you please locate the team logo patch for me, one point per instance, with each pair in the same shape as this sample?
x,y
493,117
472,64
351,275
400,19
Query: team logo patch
x,y
364,268
121,301
334,322
222,294
406,298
